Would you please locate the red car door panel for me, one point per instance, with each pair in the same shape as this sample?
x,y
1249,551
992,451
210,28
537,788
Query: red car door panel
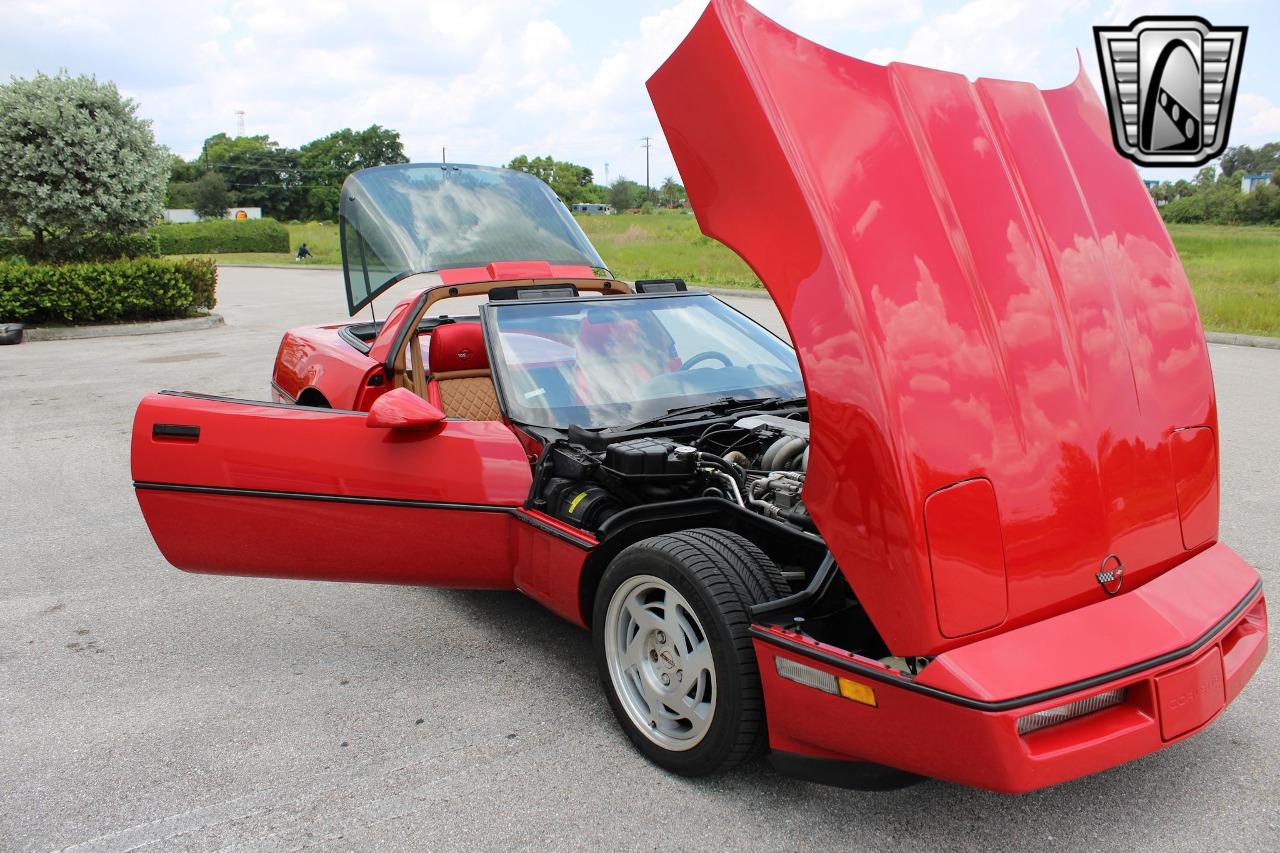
x,y
249,488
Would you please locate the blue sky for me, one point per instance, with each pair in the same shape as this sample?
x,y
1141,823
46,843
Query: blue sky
x,y
490,79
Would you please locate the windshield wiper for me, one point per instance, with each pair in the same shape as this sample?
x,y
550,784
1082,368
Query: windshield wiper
x,y
720,406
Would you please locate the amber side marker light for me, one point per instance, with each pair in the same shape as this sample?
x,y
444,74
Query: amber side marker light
x,y
1070,711
825,681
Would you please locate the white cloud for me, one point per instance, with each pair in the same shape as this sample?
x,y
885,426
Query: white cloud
x,y
1257,119
855,15
993,38
494,78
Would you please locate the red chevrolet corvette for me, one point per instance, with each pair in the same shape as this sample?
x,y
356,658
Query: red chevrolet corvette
x,y
966,529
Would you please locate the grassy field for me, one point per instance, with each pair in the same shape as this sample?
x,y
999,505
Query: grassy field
x,y
665,245
1235,274
1234,271
660,245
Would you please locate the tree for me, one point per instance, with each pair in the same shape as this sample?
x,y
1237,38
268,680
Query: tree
x,y
625,194
258,172
569,180
325,163
672,194
1252,161
209,196
179,191
1261,205
595,194
75,159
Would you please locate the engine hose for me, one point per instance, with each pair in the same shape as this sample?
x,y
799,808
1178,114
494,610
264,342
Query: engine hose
x,y
735,473
788,452
733,489
800,519
758,487
766,461
764,508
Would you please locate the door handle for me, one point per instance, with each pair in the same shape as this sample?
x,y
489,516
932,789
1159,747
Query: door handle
x,y
181,432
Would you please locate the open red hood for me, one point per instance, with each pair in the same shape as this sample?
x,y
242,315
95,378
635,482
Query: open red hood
x,y
1005,367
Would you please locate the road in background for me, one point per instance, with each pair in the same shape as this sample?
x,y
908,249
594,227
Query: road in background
x,y
142,705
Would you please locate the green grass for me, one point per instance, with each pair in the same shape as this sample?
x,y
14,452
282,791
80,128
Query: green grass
x,y
321,238
1234,270
1235,275
665,245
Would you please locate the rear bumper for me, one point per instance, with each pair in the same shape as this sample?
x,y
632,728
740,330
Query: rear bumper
x,y
1182,647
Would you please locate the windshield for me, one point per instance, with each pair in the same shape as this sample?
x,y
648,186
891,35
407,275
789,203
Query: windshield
x,y
400,220
615,361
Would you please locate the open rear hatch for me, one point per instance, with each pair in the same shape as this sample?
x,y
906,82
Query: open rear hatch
x,y
401,220
1012,409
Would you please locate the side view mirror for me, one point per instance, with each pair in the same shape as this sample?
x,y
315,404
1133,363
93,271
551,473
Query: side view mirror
x,y
402,409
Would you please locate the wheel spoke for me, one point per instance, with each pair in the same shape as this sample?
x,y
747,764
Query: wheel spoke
x,y
643,617
698,661
633,657
686,631
652,632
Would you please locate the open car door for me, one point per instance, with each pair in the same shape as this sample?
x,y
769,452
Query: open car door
x,y
241,487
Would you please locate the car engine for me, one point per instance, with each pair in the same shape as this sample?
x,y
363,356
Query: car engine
x,y
757,462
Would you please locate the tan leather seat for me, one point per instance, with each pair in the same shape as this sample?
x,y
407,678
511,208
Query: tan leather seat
x,y
460,382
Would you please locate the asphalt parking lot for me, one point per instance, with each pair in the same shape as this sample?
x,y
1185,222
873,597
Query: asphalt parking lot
x,y
142,706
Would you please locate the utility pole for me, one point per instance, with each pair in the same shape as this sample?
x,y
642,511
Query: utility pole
x,y
648,191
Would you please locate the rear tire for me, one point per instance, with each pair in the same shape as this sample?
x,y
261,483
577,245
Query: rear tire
x,y
673,648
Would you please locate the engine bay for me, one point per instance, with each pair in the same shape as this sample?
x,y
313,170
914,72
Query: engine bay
x,y
757,462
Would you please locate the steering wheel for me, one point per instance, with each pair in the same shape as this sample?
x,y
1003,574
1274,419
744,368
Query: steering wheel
x,y
706,354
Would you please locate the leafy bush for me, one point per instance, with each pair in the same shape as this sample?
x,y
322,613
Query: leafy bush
x,y
75,158
1190,208
222,235
94,247
131,289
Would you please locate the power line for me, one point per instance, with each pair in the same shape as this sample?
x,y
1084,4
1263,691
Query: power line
x,y
648,190
286,186
276,167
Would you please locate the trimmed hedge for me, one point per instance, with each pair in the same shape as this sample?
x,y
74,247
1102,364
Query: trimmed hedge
x,y
222,235
92,247
104,292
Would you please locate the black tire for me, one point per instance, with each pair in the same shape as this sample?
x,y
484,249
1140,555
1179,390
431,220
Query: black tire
x,y
720,574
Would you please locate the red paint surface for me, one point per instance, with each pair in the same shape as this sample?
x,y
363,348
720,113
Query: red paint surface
x,y
316,357
380,349
548,569
944,740
318,452
977,285
402,409
513,271
1191,695
1195,471
1167,614
967,558
309,540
